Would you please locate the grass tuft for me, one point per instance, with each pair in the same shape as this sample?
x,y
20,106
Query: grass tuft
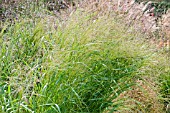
x,y
83,66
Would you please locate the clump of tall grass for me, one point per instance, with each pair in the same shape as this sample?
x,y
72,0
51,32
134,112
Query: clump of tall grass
x,y
81,67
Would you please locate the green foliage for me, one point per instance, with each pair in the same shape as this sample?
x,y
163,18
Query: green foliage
x,y
83,66
161,6
165,87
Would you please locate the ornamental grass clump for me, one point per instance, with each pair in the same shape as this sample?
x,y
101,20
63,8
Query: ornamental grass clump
x,y
82,66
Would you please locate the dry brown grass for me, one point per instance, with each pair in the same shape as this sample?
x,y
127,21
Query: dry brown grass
x,y
141,98
166,24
